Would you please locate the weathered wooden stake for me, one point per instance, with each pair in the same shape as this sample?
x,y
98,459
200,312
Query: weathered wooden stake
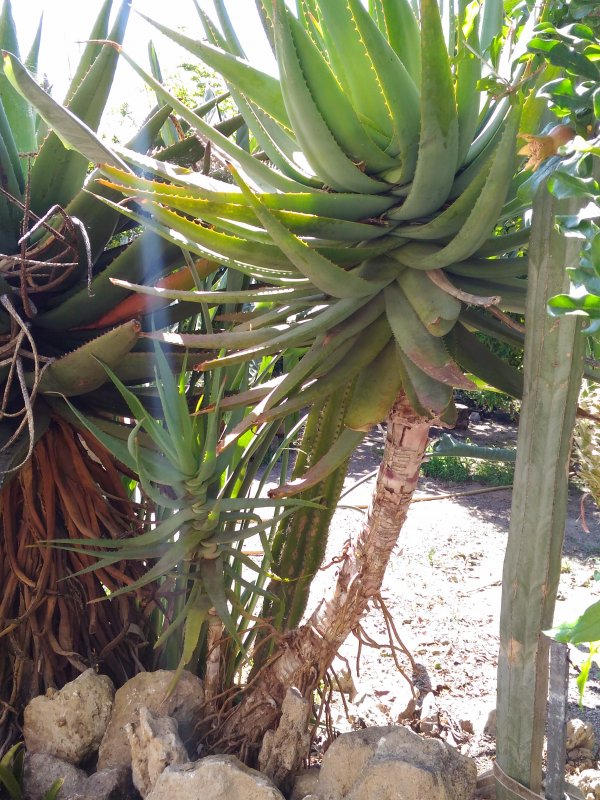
x,y
556,751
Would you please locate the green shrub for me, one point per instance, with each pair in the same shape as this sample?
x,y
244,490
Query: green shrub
x,y
498,473
446,468
465,470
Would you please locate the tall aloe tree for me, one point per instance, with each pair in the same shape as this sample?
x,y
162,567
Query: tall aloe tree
x,y
379,226
60,316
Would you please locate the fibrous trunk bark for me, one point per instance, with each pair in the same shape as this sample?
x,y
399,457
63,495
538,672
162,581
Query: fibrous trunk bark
x,y
52,625
305,654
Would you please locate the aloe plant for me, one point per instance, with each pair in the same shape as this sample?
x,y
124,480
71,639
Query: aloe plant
x,y
379,225
386,174
62,322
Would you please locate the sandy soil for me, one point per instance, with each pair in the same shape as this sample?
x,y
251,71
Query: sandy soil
x,y
443,590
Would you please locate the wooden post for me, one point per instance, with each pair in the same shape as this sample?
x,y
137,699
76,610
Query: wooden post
x,y
556,752
552,376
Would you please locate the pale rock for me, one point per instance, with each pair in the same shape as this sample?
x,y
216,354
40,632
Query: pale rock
x,y
155,744
340,721
284,749
404,704
305,783
113,783
582,757
393,763
41,770
344,680
580,735
149,690
429,720
489,729
588,782
363,712
213,778
486,786
69,724
475,417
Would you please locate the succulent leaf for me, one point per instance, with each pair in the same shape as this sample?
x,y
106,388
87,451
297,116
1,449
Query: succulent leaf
x,y
82,371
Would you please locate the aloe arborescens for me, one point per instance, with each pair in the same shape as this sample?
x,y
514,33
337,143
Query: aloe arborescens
x,y
372,214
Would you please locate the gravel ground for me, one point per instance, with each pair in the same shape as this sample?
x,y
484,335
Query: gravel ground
x,y
442,590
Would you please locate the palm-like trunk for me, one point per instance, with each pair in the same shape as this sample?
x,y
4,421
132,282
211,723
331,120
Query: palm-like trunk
x,y
305,654
52,625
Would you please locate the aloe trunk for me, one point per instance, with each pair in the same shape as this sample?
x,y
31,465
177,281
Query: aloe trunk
x,y
553,369
306,653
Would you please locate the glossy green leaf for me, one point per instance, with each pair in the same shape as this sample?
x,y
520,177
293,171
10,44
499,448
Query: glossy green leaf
x,y
261,87
560,55
403,34
563,185
338,205
585,305
584,629
147,258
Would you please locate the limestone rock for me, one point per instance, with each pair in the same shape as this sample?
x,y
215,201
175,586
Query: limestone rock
x,y
580,735
305,783
486,786
284,749
213,778
149,690
489,729
113,783
363,712
41,770
429,722
581,758
404,703
393,763
154,743
588,782
344,680
69,724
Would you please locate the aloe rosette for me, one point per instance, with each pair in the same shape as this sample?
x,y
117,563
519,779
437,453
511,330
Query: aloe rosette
x,y
367,219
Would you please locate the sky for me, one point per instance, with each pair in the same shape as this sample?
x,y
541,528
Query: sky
x,y
67,22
